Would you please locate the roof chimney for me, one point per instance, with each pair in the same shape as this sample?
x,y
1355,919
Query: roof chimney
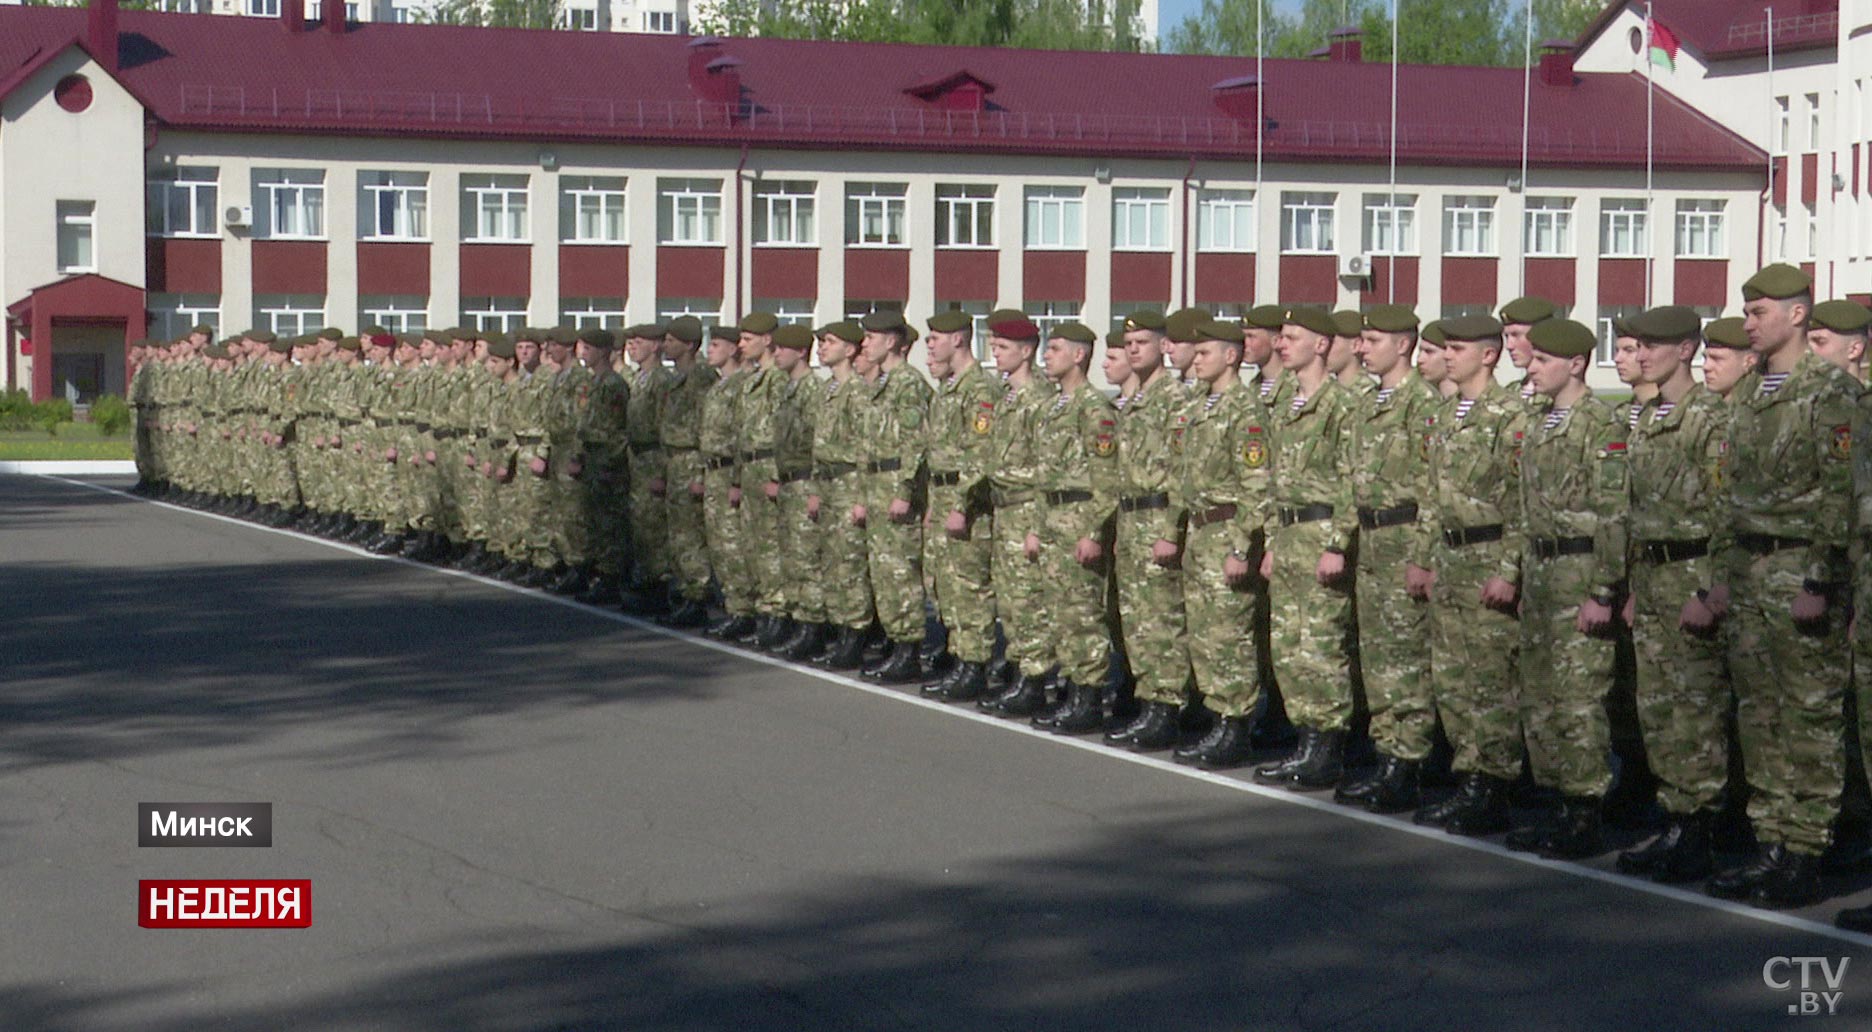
x,y
713,75
1237,97
292,15
332,13
101,33
1344,44
1556,63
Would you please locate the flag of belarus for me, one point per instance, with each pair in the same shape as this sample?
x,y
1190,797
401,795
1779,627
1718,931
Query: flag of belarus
x,y
1663,44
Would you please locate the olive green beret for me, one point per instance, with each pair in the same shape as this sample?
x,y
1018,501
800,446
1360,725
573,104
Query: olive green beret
x,y
646,331
1078,333
1115,339
759,322
722,331
950,322
1145,319
1528,310
331,333
1470,327
280,345
1347,323
412,339
1181,324
1622,326
1841,316
499,345
262,336
203,328
1433,332
1005,314
1267,317
1314,319
885,320
373,330
1777,281
1563,337
562,335
1211,329
455,333
1666,323
597,337
527,334
685,327
1391,319
845,330
214,351
792,335
350,344
1728,333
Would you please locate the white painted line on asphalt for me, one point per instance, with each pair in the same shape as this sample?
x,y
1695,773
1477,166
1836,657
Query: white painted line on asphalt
x,y
61,468
1222,780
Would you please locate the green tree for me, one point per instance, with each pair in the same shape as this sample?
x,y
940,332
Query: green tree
x,y
509,14
1563,19
1041,24
1475,32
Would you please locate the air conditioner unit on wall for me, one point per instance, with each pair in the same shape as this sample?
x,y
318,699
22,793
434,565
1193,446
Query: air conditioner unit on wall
x,y
1358,266
238,215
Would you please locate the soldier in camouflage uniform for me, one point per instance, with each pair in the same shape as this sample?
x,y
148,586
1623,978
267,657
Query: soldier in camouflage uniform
x,y
1342,359
604,438
648,579
838,457
759,538
894,494
958,528
1837,332
1574,502
1391,474
1781,546
722,499
801,588
679,430
1310,581
1517,318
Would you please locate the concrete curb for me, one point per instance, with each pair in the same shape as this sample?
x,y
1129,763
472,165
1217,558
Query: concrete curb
x,y
69,468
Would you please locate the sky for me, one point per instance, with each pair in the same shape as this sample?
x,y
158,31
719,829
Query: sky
x,y
1171,12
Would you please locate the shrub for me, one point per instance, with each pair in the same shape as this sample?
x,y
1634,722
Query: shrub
x,y
17,411
110,415
49,414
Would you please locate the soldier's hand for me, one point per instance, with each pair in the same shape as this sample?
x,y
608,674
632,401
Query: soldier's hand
x,y
1418,581
1629,612
429,457
1809,608
487,467
1330,568
1030,547
1594,617
772,490
469,461
695,488
1165,552
358,447
574,468
956,524
503,474
734,498
1499,594
1088,552
389,454
1718,600
1235,570
900,510
812,507
1267,565
1697,617
657,486
537,467
858,515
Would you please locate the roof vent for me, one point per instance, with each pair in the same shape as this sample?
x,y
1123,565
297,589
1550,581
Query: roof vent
x,y
1345,43
1237,97
1556,63
101,33
332,12
713,76
961,90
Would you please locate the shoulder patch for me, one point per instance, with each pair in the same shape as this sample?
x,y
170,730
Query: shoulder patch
x,y
1842,442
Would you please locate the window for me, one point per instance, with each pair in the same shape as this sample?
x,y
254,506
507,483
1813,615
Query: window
x,y
1700,229
1048,314
1055,217
289,203
77,225
783,213
290,315
689,211
1140,219
583,19
1778,241
786,309
874,214
1225,220
1622,227
1813,232
978,316
707,309
580,312
1813,121
1608,341
402,14
591,209
1783,126
316,10
501,314
1469,225
1307,223
494,208
263,8
965,216
1390,228
659,21
185,203
393,205
858,308
1549,227
398,313
173,315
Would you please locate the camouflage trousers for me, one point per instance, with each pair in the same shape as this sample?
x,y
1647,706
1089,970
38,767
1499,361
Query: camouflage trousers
x,y
1683,688
1475,670
1312,634
606,512
649,517
685,542
566,525
1020,589
1074,596
802,585
529,517
1394,646
1790,684
894,551
723,525
1151,607
1223,651
960,576
1566,677
845,573
760,543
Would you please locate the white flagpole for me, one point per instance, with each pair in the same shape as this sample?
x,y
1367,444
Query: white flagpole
x,y
1396,228
1649,125
1527,107
1773,124
1260,118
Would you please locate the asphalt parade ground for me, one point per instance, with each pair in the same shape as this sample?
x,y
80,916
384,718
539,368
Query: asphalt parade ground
x,y
519,813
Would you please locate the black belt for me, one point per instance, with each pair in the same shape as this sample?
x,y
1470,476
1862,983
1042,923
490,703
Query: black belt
x,y
447,435
1140,503
1764,544
832,470
1067,497
795,475
639,447
422,428
527,439
349,422
1554,548
1673,551
1305,514
1010,499
948,479
884,466
1397,515
716,462
757,455
1464,536
1214,515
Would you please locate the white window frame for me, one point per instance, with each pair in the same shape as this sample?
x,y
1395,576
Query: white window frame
x,y
501,314
402,14
1547,227
173,315
1048,314
77,236
397,313
787,309
1813,232
1608,341
1813,122
1700,226
1469,226
1226,221
660,21
1055,218
290,315
1140,218
581,19
289,203
592,209
707,309
689,212
1784,125
1387,229
1624,218
857,307
877,215
494,207
393,205
581,312
190,194
1778,231
261,8
1307,222
965,216
786,213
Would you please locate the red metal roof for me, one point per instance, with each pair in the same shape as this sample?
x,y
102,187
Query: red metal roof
x,y
216,72
1733,28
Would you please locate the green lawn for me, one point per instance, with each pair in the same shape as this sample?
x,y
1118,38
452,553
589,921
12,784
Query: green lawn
x,y
74,441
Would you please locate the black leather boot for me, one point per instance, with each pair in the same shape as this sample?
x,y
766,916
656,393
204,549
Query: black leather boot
x,y
571,581
385,544
540,576
1393,789
1576,836
778,630
1794,881
1681,854
1024,699
1281,771
847,651
1353,791
966,683
1155,727
899,667
472,558
731,627
1002,673
1531,838
1484,810
1858,919
690,614
934,683
1324,768
803,642
1082,711
1741,882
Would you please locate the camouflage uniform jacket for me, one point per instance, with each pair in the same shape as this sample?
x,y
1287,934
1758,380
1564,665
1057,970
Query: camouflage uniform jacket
x,y
1016,465
758,407
799,398
1475,474
1076,441
961,435
1312,462
1222,452
1391,435
1148,425
1675,472
894,434
1575,483
720,433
